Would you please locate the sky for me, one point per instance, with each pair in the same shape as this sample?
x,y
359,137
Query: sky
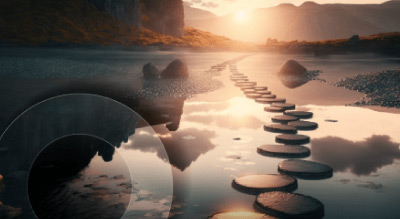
x,y
222,7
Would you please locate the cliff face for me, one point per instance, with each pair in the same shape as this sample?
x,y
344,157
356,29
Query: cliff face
x,y
127,11
166,16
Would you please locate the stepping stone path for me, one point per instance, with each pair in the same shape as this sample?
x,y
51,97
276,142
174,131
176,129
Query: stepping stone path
x,y
284,118
286,106
300,114
304,125
274,109
292,139
255,184
289,205
286,151
305,169
270,100
280,128
279,204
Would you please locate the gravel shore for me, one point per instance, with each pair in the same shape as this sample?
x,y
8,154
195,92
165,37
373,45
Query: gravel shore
x,y
381,89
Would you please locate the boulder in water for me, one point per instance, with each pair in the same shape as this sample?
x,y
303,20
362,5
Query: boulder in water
x,y
150,72
176,69
293,68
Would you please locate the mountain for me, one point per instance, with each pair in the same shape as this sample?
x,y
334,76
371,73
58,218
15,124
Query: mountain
x,y
195,14
309,21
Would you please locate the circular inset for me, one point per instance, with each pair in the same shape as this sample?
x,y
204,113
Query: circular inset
x,y
284,118
255,184
300,114
280,128
270,100
286,106
305,169
292,139
304,125
289,205
274,109
286,151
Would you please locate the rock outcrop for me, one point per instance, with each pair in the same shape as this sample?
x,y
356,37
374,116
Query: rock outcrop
x,y
176,69
293,68
150,72
127,11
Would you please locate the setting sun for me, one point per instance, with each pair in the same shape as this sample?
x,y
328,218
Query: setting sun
x,y
241,15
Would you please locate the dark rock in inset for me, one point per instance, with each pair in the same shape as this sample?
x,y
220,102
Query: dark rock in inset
x,y
286,106
248,83
263,92
248,91
270,100
299,114
274,109
150,72
293,68
292,139
304,125
284,118
289,205
176,69
240,215
305,169
253,95
280,128
261,88
285,151
268,96
255,184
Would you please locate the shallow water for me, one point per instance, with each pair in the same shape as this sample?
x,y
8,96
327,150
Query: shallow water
x,y
212,136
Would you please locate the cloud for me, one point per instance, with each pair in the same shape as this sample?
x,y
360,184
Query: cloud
x,y
209,5
361,157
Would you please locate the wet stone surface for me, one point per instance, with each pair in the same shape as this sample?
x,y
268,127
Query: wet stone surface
x,y
286,106
256,184
284,119
305,169
292,139
263,91
304,125
270,100
280,128
300,114
240,215
253,95
285,151
246,87
249,91
289,205
274,109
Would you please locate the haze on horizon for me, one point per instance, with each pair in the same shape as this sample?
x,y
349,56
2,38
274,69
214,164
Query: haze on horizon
x,y
223,7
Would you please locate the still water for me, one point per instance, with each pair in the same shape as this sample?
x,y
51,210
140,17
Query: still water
x,y
211,131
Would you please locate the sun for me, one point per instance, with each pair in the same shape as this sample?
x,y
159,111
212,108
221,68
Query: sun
x,y
241,15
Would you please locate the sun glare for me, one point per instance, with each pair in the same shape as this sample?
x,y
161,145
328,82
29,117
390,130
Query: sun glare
x,y
241,15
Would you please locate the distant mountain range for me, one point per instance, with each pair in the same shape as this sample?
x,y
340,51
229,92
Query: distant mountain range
x,y
309,21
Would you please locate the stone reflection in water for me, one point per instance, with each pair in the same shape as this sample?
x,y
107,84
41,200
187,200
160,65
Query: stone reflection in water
x,y
361,157
67,181
293,74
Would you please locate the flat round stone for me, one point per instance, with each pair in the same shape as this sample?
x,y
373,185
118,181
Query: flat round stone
x,y
240,215
256,184
289,205
261,88
286,106
274,109
248,83
246,87
237,74
280,128
240,80
253,95
270,100
300,114
286,151
284,118
249,91
304,125
268,96
263,91
292,139
305,169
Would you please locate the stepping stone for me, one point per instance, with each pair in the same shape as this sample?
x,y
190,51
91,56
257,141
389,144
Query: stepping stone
x,y
246,87
248,83
270,100
249,91
286,106
289,205
280,128
274,109
305,169
285,151
284,118
300,114
253,95
268,96
240,215
304,125
261,88
237,74
255,184
292,139
241,80
263,91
